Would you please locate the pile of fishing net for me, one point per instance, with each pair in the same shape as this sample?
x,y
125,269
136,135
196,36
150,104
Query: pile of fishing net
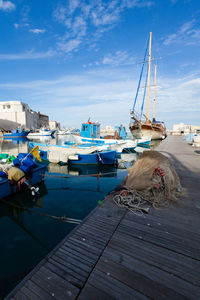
x,y
151,180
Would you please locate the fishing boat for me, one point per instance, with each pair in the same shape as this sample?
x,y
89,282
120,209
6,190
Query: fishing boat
x,y
73,153
16,133
41,132
142,125
104,158
22,174
90,133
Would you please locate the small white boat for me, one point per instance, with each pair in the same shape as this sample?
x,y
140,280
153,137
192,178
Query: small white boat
x,y
41,132
61,132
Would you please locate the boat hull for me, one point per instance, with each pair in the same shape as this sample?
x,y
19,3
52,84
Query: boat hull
x,y
22,134
146,130
104,158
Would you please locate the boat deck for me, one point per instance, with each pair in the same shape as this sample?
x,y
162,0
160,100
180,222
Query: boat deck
x,y
115,254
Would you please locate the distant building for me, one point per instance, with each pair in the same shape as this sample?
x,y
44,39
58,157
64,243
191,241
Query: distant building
x,y
54,125
184,129
43,120
109,130
20,113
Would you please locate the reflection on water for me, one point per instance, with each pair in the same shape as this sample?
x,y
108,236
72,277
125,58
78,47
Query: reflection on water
x,y
27,231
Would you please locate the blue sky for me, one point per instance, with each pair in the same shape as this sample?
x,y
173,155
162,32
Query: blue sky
x,y
74,59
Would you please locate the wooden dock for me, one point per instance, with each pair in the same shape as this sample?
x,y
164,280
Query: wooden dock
x,y
115,254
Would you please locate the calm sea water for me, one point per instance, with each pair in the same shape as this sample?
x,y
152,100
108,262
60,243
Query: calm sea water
x,y
27,233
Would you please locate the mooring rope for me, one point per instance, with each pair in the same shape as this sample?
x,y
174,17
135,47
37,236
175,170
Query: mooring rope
x,y
87,175
61,218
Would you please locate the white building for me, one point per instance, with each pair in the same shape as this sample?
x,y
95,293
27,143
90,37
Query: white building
x,y
54,125
184,129
109,130
22,115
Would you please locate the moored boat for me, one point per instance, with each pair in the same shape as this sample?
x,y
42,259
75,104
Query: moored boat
x,y
104,158
90,133
16,133
145,128
41,132
24,172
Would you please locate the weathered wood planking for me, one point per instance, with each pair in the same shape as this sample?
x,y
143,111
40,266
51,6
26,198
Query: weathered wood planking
x,y
115,254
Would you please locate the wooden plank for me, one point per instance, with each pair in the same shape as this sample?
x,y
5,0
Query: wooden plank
x,y
166,241
164,224
79,255
81,249
90,292
69,265
30,294
113,287
80,265
102,231
90,245
91,238
19,296
54,284
173,234
40,293
76,257
62,272
176,264
152,281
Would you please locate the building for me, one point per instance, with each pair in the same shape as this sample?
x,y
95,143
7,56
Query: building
x,y
43,120
184,129
54,125
109,130
20,113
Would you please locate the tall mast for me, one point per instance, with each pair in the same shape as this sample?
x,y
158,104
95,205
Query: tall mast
x,y
148,82
154,99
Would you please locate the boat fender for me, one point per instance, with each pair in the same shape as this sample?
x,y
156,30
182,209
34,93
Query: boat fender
x,y
15,174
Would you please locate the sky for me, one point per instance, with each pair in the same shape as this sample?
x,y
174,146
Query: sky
x,y
75,59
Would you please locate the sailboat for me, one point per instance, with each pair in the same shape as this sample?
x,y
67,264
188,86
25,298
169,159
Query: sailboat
x,y
142,125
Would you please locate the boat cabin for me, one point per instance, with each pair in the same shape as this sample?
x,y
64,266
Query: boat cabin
x,y
90,130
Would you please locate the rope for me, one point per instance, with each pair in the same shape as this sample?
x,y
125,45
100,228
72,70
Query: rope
x,y
137,202
131,200
61,218
88,175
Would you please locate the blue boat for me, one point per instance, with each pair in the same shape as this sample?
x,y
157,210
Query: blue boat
x,y
33,175
104,158
16,133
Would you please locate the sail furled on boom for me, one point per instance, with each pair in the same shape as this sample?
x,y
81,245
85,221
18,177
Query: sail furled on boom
x,y
141,75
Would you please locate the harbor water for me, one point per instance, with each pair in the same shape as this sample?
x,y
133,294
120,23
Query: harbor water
x,y
31,227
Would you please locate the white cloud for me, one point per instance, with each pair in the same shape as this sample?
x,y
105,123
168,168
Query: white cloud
x,y
119,58
37,31
186,34
27,55
7,5
88,20
16,25
107,95
69,45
